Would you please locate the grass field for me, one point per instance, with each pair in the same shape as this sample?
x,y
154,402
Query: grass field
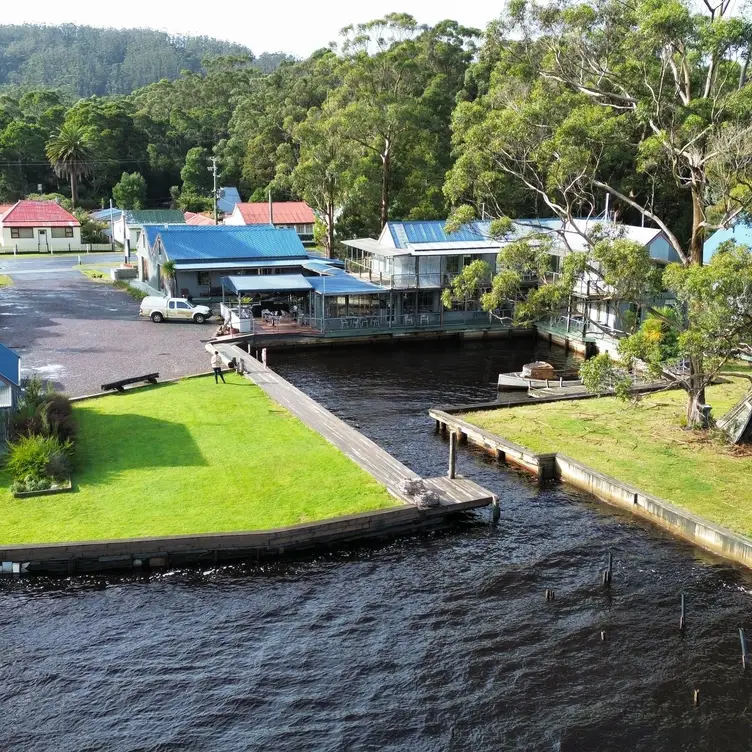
x,y
644,445
5,280
191,457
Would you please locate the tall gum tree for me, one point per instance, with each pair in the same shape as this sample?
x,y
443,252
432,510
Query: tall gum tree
x,y
631,99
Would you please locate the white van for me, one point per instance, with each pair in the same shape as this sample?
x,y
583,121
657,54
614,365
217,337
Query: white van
x,y
158,309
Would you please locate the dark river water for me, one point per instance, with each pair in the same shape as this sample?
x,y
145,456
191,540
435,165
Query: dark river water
x,y
428,643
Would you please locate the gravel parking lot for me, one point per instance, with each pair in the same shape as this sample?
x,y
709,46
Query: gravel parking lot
x,y
80,334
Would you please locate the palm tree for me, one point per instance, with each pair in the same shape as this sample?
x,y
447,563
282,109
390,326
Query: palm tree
x,y
70,155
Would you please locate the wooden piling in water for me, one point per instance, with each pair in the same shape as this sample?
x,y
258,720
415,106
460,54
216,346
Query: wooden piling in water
x,y
452,455
743,642
682,623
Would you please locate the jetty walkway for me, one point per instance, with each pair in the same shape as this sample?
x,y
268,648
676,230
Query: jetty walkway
x,y
459,493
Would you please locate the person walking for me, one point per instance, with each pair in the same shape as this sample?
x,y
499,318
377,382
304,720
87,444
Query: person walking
x,y
216,364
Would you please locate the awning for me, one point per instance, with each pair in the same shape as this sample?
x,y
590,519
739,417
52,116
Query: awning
x,y
266,283
230,265
344,284
373,246
321,267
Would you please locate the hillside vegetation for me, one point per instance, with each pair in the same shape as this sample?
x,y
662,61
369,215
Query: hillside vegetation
x,y
84,60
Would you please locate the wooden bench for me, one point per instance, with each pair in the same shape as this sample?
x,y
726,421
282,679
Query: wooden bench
x,y
119,386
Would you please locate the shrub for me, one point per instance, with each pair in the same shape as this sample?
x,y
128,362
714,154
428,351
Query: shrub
x,y
44,412
38,457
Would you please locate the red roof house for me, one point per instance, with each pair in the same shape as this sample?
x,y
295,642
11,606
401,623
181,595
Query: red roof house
x,y
39,225
295,214
194,218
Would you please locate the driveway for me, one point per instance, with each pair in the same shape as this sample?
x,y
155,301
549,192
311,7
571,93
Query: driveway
x,y
80,334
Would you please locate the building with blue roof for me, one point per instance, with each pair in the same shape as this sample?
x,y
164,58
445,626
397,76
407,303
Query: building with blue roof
x,y
740,232
203,254
227,198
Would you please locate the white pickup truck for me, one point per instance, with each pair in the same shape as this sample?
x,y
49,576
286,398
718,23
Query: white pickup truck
x,y
158,309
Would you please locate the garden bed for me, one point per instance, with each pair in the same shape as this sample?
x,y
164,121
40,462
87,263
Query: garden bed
x,y
56,489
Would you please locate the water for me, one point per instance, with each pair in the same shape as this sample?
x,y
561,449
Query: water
x,y
426,643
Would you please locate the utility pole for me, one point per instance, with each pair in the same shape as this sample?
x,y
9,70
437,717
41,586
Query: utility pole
x,y
213,170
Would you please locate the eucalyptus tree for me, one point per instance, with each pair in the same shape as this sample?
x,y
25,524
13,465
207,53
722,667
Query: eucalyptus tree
x,y
644,101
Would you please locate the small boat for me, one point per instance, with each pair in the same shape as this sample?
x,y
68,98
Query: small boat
x,y
536,375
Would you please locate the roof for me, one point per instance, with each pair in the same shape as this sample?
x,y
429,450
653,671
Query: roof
x,y
10,366
38,214
283,213
153,216
344,284
104,215
4,208
228,197
741,232
215,243
223,265
267,283
194,218
321,267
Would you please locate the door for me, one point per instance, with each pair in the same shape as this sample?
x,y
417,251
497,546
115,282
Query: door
x,y
182,309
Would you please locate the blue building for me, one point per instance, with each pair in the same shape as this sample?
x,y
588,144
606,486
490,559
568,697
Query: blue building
x,y
10,384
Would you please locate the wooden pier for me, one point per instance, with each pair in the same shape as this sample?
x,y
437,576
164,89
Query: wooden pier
x,y
457,493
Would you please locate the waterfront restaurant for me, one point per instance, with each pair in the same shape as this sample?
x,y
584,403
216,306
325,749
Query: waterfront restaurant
x,y
328,301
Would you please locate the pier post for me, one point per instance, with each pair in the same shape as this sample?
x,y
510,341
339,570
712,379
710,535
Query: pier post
x,y
682,622
495,509
263,356
452,455
743,642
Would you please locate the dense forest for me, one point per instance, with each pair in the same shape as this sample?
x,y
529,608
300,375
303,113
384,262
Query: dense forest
x,y
411,121
85,61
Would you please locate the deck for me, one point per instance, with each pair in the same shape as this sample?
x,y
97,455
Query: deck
x,y
458,493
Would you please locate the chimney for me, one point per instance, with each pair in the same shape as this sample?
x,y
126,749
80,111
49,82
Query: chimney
x,y
271,210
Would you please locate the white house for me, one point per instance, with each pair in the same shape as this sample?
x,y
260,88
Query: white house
x,y
131,223
38,226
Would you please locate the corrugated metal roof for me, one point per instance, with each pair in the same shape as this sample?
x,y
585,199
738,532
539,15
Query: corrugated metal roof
x,y
228,197
227,242
103,215
344,284
321,267
740,232
283,212
194,218
266,283
38,214
153,216
10,365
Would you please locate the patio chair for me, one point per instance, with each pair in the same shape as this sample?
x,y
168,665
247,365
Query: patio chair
x,y
409,320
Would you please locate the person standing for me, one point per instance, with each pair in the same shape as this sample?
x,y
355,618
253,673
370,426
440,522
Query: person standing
x,y
216,364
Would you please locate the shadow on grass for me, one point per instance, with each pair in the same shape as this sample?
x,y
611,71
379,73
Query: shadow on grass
x,y
111,443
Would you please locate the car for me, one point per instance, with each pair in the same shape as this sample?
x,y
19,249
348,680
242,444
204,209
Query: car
x,y
159,309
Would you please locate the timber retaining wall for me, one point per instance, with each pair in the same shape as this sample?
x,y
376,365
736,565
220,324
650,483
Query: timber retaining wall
x,y
130,553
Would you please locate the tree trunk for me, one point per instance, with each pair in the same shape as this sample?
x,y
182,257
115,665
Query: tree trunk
x,y
696,395
73,189
698,217
386,166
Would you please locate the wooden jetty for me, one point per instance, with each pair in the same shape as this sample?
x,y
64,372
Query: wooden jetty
x,y
454,494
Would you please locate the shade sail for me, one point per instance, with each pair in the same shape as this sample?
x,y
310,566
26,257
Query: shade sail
x,y
344,284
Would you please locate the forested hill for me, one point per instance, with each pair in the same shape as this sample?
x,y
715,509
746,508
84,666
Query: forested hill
x,y
84,60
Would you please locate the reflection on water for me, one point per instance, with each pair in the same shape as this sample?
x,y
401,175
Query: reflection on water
x,y
443,642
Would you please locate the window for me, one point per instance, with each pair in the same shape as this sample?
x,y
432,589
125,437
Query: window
x,y
171,304
22,232
182,305
304,229
62,232
204,279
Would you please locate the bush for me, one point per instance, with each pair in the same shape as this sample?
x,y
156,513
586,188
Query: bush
x,y
35,458
44,412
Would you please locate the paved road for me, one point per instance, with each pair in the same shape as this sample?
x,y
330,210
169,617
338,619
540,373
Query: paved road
x,y
80,334
53,267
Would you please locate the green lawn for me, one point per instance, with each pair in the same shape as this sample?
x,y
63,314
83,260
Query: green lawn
x,y
645,446
5,280
191,457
